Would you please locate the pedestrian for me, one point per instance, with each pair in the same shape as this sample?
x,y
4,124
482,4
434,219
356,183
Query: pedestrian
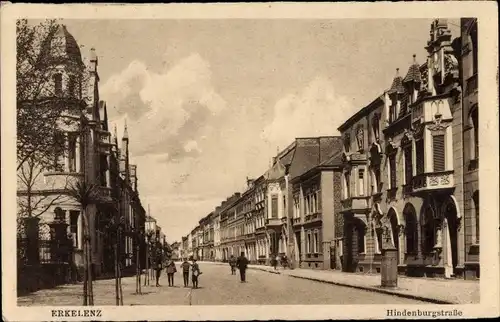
x,y
284,261
158,268
232,263
242,264
185,272
274,261
171,270
195,273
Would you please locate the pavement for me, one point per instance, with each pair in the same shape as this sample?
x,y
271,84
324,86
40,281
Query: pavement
x,y
434,290
218,287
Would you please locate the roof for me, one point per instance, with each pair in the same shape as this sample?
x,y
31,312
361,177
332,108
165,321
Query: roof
x,y
361,113
413,74
61,46
276,172
312,152
397,84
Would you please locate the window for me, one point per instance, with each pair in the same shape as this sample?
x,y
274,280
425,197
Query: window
x,y
408,163
475,133
71,86
73,223
284,205
411,233
376,127
428,232
59,142
438,150
361,182
57,84
392,113
376,179
274,207
72,152
392,170
347,187
347,144
475,198
420,157
309,243
360,238
316,242
473,36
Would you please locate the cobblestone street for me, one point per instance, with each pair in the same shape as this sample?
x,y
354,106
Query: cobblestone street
x,y
217,287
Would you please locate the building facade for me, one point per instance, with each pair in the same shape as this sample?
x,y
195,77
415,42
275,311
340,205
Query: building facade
x,y
403,179
85,154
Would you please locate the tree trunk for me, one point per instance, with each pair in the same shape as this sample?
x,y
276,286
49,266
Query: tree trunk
x,y
85,274
116,276
88,259
138,270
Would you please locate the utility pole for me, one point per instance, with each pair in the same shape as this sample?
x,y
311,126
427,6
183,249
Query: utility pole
x,y
289,223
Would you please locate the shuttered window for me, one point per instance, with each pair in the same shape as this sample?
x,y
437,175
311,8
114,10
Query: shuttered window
x,y
438,150
419,151
408,164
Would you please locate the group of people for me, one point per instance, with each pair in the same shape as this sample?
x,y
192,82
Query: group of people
x,y
186,267
241,263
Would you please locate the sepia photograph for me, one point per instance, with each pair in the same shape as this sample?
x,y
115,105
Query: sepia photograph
x,y
212,162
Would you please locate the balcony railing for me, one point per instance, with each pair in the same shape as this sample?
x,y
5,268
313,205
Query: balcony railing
x,y
433,181
471,85
296,221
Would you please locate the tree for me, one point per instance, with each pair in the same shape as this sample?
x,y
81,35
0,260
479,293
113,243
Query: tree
x,y
41,110
86,194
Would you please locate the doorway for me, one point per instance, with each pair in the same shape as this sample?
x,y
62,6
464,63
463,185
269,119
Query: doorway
x,y
451,218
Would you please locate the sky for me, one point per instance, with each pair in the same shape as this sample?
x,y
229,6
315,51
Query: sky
x,y
209,102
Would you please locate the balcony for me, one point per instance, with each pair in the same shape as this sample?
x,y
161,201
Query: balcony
x,y
313,217
471,85
296,221
359,203
273,222
433,181
354,158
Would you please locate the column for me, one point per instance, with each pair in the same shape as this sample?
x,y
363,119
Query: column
x,y
108,175
77,155
79,228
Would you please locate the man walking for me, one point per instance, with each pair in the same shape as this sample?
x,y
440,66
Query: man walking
x,y
232,263
185,272
195,272
242,264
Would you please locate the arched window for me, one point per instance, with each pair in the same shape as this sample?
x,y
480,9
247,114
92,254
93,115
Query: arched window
x,y
428,231
475,198
376,127
411,229
473,122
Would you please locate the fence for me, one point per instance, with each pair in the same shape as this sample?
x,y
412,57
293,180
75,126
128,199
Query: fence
x,y
44,264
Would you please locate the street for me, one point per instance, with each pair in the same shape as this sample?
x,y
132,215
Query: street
x,y
217,287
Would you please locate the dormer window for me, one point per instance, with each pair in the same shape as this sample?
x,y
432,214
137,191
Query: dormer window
x,y
393,113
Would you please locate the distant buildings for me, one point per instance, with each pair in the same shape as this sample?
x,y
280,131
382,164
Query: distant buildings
x,y
403,174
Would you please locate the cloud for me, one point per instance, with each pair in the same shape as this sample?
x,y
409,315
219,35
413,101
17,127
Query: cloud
x,y
167,109
316,110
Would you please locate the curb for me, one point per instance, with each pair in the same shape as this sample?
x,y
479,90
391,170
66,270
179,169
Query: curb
x,y
365,288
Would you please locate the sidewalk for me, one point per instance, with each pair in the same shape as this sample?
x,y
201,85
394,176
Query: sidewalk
x,y
440,291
